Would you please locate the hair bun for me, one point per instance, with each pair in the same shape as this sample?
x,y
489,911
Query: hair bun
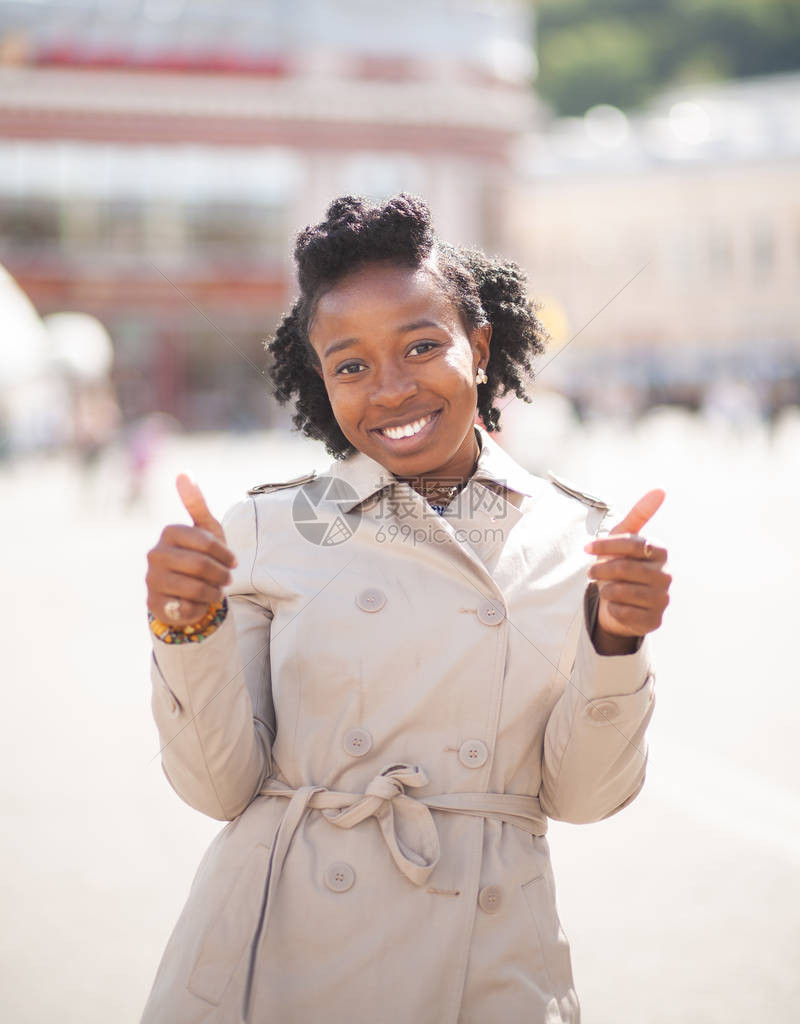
x,y
345,211
404,206
406,219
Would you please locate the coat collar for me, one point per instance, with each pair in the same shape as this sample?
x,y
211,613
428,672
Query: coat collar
x,y
366,477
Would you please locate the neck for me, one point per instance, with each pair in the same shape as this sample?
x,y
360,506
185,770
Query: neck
x,y
441,487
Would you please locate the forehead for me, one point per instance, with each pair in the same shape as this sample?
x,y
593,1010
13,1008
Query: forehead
x,y
394,295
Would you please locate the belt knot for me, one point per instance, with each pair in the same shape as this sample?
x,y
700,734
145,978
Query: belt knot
x,y
407,825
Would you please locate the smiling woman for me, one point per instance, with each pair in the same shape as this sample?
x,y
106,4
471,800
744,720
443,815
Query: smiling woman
x,y
403,386
483,294
397,326
364,646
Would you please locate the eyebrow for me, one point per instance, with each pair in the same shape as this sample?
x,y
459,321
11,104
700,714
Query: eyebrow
x,y
415,325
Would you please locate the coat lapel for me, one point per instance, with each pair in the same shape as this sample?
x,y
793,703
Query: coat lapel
x,y
476,526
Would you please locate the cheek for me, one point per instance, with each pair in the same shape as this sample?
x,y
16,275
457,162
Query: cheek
x,y
458,365
344,402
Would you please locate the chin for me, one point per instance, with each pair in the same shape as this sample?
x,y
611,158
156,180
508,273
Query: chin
x,y
419,463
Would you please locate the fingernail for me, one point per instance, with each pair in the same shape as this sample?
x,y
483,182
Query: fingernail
x,y
589,547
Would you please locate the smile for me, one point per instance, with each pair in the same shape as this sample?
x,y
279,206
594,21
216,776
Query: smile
x,y
409,430
409,436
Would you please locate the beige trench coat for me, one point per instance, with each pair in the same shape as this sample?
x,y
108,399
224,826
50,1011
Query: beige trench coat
x,y
386,721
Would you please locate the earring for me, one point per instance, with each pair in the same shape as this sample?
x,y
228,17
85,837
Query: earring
x,y
480,376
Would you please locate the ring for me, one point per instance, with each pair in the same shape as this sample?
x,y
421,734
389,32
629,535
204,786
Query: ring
x,y
647,551
172,609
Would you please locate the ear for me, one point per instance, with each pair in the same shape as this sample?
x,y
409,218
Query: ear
x,y
480,339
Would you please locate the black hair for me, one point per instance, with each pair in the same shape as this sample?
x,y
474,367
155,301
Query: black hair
x,y
398,231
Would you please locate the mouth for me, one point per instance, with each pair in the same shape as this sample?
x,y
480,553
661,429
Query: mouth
x,y
409,436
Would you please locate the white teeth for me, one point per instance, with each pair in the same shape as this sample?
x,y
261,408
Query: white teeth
x,y
407,431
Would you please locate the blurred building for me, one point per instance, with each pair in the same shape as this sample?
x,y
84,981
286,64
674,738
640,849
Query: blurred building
x,y
158,156
671,241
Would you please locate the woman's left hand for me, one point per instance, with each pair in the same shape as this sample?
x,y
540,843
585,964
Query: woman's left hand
x,y
630,577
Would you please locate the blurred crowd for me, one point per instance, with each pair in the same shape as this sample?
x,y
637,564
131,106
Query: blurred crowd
x,y
733,392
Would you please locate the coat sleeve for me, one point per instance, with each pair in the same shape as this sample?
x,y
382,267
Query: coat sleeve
x,y
212,700
595,755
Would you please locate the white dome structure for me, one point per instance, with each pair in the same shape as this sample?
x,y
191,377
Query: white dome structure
x,y
80,344
24,343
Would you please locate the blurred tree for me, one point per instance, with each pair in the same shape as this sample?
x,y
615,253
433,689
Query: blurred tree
x,y
624,51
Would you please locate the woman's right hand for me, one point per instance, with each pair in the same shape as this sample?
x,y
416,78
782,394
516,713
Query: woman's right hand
x,y
189,563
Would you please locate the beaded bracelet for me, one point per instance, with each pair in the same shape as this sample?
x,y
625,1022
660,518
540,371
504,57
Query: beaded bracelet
x,y
193,633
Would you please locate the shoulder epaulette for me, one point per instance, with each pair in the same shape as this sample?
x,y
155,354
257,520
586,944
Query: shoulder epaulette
x,y
575,492
296,482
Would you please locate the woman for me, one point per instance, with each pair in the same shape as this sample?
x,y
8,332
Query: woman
x,y
411,670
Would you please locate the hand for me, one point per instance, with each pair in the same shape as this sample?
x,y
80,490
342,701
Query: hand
x,y
189,563
633,587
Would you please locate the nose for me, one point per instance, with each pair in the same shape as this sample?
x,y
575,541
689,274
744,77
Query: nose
x,y
394,385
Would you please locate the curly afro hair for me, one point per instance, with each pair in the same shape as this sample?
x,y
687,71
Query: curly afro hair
x,y
356,233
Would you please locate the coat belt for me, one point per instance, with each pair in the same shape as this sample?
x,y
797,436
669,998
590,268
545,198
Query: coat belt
x,y
406,824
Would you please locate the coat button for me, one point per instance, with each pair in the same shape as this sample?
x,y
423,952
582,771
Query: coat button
x,y
473,753
340,877
602,710
371,599
490,614
357,742
490,899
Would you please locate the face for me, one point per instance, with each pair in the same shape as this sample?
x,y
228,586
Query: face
x,y
394,353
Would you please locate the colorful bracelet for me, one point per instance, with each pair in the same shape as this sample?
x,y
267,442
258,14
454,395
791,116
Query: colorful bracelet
x,y
193,633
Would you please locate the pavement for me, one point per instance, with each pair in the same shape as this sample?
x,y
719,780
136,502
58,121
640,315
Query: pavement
x,y
682,909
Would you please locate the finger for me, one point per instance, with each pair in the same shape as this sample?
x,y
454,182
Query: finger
x,y
632,570
175,584
195,505
178,535
191,563
628,546
635,594
641,513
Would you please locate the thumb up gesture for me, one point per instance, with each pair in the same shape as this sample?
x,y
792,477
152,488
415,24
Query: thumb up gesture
x,y
189,565
631,579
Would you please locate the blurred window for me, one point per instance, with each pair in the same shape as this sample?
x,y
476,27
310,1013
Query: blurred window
x,y
111,231
234,233
122,232
29,230
121,227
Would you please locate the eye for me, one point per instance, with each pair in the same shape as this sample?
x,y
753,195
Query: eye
x,y
346,368
422,344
